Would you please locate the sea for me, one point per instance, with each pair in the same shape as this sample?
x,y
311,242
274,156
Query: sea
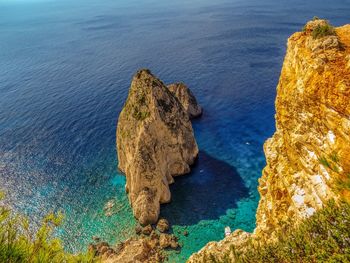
x,y
65,71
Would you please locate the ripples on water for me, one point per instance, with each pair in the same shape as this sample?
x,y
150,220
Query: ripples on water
x,y
65,69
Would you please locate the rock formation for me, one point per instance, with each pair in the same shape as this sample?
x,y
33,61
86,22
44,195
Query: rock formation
x,y
308,156
146,248
155,142
186,98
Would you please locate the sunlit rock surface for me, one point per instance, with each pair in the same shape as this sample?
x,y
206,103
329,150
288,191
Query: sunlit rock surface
x,y
187,99
308,156
155,142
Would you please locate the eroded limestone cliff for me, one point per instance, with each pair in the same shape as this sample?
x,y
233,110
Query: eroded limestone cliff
x,y
155,142
308,156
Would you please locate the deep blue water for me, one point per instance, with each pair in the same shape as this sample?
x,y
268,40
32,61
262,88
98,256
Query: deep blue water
x,y
65,69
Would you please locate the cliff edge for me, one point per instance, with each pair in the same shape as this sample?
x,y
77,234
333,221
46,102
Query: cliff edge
x,y
308,156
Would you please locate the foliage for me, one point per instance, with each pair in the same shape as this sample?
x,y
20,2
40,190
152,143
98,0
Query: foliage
x,y
322,31
343,182
323,160
140,115
331,162
19,244
324,237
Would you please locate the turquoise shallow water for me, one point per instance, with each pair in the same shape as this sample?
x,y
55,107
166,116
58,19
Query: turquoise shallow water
x,y
65,69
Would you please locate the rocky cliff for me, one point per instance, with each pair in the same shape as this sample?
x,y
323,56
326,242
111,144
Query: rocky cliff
x,y
155,142
186,98
308,156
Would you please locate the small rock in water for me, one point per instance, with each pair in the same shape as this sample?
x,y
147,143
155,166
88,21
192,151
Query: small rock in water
x,y
109,205
163,225
147,230
95,238
166,241
185,233
154,235
138,229
109,213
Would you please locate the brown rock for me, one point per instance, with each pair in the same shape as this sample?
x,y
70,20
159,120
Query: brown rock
x,y
138,229
134,250
187,99
95,238
166,241
155,142
163,225
147,230
154,235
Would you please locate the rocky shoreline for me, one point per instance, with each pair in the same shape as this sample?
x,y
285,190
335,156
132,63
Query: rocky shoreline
x,y
148,245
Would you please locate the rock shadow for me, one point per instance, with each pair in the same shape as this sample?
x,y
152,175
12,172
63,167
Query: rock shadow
x,y
206,193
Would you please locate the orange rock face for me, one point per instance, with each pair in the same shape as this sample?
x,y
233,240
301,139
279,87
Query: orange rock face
x,y
308,156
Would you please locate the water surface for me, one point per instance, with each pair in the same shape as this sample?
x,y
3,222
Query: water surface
x,y
65,69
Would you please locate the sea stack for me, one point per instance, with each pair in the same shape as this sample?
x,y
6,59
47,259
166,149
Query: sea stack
x,y
155,142
186,98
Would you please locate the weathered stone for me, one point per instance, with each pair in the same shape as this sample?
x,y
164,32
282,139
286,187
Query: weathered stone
x,y
155,142
154,235
138,229
147,230
187,99
166,241
308,154
163,225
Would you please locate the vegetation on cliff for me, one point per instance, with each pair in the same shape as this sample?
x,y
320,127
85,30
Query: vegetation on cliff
x,y
19,244
323,237
321,30
307,162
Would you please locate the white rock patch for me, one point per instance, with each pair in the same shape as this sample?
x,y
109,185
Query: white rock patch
x,y
331,137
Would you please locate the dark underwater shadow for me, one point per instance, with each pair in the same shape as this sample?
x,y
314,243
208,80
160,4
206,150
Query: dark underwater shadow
x,y
207,192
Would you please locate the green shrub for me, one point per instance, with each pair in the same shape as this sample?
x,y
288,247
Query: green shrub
x,y
322,31
140,115
334,157
19,244
324,237
323,160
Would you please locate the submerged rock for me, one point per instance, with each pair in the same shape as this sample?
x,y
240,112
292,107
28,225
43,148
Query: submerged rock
x,y
155,142
187,99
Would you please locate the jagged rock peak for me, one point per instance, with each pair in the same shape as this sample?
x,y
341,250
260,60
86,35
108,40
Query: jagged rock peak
x,y
155,142
186,98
